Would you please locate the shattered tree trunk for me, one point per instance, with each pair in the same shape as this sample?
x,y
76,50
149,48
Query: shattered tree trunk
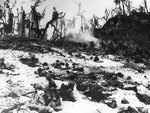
x,y
23,24
123,7
145,5
11,16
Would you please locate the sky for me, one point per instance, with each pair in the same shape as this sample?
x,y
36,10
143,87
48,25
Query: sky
x,y
91,7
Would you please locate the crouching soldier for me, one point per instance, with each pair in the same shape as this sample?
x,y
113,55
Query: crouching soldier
x,y
66,92
51,95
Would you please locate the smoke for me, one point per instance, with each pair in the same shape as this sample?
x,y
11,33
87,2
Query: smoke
x,y
81,37
45,8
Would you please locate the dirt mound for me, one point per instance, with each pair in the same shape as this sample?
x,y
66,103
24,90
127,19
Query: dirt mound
x,y
25,44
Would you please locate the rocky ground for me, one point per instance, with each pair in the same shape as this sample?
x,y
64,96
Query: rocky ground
x,y
103,83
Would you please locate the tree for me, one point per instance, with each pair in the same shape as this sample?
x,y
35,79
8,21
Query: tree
x,y
128,6
80,13
145,5
6,23
106,16
36,18
121,4
40,32
118,2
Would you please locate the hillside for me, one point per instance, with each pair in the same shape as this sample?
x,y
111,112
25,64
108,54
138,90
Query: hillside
x,y
103,83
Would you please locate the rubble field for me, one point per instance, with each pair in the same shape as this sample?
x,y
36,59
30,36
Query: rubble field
x,y
101,83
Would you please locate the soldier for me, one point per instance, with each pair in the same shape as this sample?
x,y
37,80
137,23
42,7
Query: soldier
x,y
51,96
66,92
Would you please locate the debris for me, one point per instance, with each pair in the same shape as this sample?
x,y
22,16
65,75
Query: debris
x,y
129,110
96,59
111,103
124,101
32,62
40,109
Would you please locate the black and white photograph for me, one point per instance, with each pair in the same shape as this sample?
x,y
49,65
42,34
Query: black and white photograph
x,y
74,56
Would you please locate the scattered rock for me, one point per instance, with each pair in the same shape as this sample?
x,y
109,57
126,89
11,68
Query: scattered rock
x,y
120,74
96,58
2,64
124,101
32,62
129,110
45,66
91,57
143,98
142,110
37,86
111,103
42,73
129,78
130,87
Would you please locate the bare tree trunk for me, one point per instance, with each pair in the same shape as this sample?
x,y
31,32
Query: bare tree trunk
x,y
145,5
120,7
123,8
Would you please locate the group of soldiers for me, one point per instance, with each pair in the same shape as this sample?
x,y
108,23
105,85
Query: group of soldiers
x,y
52,94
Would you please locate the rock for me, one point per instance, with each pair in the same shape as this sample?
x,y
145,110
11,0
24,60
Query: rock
x,y
110,76
70,53
129,110
80,69
43,73
37,86
124,101
130,87
32,62
58,108
129,78
58,64
39,70
96,58
2,64
120,75
111,103
91,58
142,110
143,98
45,66
40,109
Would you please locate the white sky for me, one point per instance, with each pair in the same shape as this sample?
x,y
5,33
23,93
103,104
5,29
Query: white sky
x,y
96,7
